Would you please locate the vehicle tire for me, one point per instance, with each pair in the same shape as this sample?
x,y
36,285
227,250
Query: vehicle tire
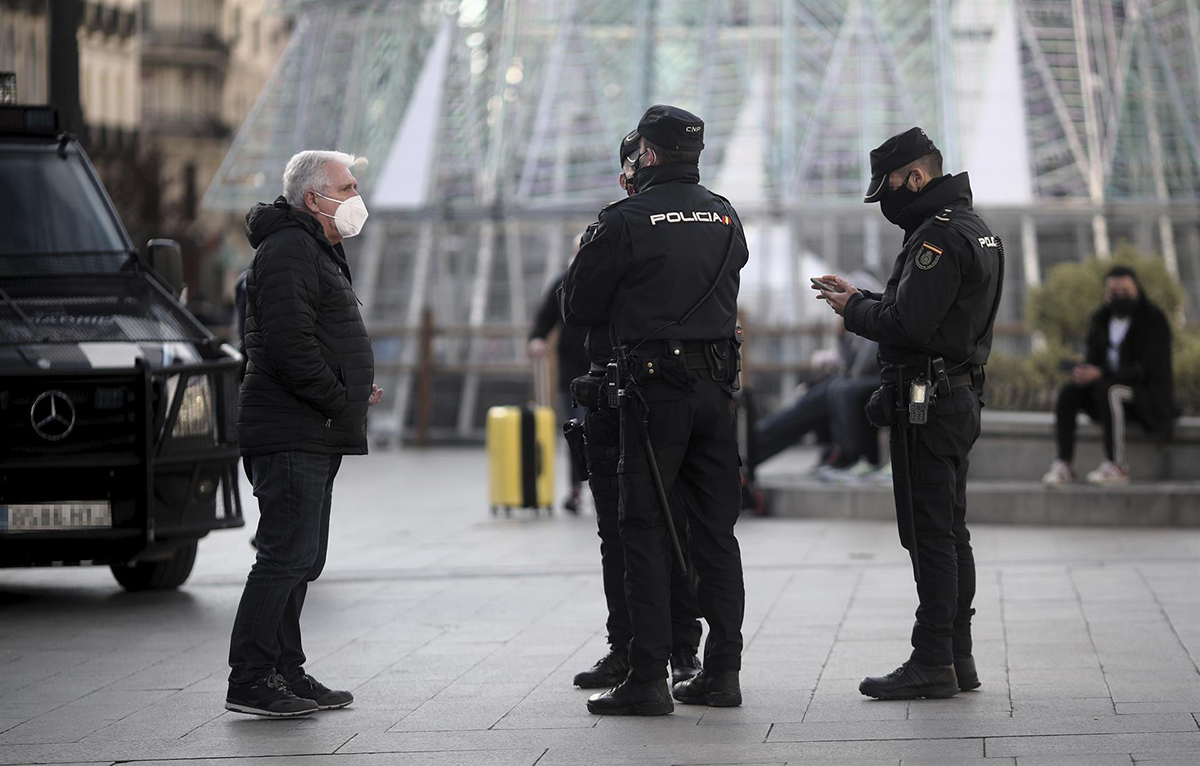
x,y
157,575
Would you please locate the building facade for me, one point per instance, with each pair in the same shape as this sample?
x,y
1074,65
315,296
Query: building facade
x,y
156,95
25,46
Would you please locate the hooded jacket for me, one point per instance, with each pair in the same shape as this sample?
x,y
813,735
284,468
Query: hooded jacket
x,y
1145,361
309,361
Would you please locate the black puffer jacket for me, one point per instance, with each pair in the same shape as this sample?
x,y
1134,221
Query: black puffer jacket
x,y
310,363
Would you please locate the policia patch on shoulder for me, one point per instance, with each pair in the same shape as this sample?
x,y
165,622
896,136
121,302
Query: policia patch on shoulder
x,y
928,257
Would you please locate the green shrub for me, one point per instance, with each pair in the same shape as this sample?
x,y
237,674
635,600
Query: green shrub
x,y
1186,358
1026,382
1071,292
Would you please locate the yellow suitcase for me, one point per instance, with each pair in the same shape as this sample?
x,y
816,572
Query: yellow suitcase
x,y
520,447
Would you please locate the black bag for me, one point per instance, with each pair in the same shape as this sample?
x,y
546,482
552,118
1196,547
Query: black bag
x,y
881,407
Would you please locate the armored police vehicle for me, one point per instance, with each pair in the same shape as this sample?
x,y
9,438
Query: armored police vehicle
x,y
117,407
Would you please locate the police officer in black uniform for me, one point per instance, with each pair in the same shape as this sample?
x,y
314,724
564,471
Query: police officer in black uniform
x,y
933,324
661,272
603,451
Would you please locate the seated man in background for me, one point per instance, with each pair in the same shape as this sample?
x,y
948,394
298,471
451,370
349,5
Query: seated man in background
x,y
832,409
1127,373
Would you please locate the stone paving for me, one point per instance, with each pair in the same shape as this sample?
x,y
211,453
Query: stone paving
x,y
459,635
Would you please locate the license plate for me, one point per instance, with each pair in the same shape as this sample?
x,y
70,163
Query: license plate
x,y
49,517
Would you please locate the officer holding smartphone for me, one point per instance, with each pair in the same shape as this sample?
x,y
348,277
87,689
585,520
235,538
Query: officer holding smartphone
x,y
934,327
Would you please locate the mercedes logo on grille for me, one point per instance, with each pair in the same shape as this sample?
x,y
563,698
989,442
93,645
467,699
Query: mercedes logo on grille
x,y
52,415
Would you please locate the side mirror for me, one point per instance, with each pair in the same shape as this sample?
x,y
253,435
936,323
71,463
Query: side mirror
x,y
166,257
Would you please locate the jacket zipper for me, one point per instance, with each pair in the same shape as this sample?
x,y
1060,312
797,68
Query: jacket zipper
x,y
328,422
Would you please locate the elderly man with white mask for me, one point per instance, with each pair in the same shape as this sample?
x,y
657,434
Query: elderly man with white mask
x,y
303,406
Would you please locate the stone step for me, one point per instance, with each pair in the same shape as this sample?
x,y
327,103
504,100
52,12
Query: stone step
x,y
1140,504
1019,446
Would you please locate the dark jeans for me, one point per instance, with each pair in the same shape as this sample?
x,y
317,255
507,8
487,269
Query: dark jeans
x,y
603,452
294,491
854,436
694,437
809,413
938,457
1094,400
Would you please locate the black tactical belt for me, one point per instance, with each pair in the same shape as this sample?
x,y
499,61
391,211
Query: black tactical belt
x,y
688,352
956,381
673,347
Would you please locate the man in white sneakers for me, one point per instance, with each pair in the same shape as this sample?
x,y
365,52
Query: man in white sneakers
x,y
1127,375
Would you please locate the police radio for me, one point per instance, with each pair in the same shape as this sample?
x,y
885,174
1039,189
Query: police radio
x,y
612,392
918,402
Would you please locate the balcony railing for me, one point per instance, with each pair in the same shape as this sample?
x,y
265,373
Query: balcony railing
x,y
179,39
198,125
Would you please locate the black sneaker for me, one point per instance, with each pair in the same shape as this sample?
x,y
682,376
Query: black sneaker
x,y
609,671
311,689
722,689
968,677
912,681
268,696
632,697
573,501
685,665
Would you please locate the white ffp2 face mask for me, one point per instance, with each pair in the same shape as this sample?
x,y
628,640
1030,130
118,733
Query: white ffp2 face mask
x,y
350,216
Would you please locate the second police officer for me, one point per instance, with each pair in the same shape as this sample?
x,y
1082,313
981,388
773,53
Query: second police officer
x,y
934,327
661,271
603,452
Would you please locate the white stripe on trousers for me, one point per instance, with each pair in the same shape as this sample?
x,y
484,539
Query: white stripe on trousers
x,y
1117,396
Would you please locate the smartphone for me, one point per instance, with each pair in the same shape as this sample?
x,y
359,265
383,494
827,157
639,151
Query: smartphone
x,y
828,287
1067,365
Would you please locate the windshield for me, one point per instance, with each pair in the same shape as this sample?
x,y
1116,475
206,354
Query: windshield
x,y
55,218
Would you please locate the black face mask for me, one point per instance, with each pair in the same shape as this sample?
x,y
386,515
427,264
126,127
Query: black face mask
x,y
638,170
894,202
1122,307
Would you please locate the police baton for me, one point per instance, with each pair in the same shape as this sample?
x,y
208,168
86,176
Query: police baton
x,y
658,487
904,505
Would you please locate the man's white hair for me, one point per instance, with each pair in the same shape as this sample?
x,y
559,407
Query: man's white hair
x,y
307,171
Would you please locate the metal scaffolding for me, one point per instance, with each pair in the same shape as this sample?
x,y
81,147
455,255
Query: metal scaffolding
x,y
1078,120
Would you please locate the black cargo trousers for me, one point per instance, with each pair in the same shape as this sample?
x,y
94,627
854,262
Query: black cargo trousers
x,y
938,460
603,450
694,437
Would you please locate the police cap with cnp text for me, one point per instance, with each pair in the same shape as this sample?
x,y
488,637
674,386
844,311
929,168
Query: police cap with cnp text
x,y
893,154
672,128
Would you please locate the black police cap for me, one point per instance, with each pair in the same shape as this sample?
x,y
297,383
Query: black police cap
x,y
893,154
672,128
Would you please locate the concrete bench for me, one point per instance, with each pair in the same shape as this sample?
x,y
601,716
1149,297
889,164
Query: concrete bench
x,y
1004,484
1143,504
1019,446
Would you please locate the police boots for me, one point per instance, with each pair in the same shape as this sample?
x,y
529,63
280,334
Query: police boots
x,y
685,665
719,689
968,677
608,671
633,697
912,681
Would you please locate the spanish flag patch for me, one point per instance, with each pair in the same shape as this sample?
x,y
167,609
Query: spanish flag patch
x,y
928,256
